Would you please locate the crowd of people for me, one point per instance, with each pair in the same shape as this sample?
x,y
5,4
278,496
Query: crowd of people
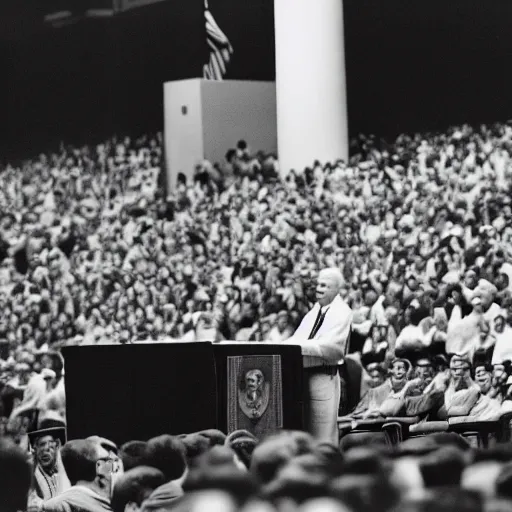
x,y
287,471
93,251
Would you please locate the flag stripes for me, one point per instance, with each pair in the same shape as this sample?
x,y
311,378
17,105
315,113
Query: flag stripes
x,y
220,49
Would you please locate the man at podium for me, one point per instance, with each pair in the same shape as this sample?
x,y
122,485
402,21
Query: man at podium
x,y
323,336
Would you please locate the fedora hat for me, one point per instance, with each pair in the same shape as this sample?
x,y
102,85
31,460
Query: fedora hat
x,y
49,427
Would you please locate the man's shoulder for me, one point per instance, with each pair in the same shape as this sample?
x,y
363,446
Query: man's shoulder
x,y
75,497
58,503
340,305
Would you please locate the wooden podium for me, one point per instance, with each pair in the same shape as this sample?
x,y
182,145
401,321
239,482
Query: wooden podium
x,y
126,392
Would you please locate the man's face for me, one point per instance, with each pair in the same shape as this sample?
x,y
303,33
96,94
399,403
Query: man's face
x,y
265,330
282,322
470,280
483,379
376,378
326,289
459,371
399,370
487,299
424,372
46,451
499,324
108,468
252,382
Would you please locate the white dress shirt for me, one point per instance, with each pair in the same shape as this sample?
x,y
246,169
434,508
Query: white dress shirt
x,y
329,344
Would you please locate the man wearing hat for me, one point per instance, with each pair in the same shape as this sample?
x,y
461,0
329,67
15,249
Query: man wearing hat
x,y
49,476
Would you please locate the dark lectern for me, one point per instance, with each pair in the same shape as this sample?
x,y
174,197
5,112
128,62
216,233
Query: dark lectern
x,y
126,392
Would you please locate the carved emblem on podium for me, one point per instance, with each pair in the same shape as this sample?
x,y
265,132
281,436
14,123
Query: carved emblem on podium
x,y
255,400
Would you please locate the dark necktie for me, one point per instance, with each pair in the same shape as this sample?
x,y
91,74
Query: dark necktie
x,y
318,323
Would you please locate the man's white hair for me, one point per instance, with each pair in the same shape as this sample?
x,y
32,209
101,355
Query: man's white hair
x,y
333,274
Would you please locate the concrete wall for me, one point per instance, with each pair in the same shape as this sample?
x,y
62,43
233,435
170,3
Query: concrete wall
x,y
234,110
183,131
219,114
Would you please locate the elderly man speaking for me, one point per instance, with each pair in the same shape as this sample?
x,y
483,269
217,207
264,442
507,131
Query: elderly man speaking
x,y
323,335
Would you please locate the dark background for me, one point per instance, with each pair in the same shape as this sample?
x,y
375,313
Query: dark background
x,y
410,65
97,77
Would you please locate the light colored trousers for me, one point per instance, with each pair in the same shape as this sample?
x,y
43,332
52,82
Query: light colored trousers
x,y
324,401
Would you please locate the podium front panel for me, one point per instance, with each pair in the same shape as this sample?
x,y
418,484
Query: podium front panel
x,y
260,387
127,392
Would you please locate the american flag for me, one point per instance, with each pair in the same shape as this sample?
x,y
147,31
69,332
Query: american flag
x,y
220,48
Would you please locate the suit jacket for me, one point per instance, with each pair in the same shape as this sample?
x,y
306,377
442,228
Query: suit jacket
x,y
329,345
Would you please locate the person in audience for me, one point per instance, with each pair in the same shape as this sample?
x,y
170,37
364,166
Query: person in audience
x,y
132,454
134,487
397,382
92,467
167,454
463,397
50,478
15,475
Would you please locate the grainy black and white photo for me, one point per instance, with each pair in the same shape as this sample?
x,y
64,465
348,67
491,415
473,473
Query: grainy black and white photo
x,y
255,256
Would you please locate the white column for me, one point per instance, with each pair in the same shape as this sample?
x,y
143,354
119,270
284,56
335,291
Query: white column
x,y
310,82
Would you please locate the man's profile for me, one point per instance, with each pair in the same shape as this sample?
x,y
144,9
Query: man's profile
x,y
254,394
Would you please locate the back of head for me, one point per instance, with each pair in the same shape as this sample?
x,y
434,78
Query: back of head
x,y
217,456
304,442
238,484
445,500
132,454
323,505
364,461
195,446
298,441
214,436
15,477
295,484
502,452
79,459
418,446
135,486
364,492
105,443
481,477
331,456
243,444
205,501
504,483
406,476
451,439
352,441
310,462
166,453
268,457
498,505
443,467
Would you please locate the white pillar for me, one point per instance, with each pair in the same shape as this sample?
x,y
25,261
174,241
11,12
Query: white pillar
x,y
310,82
